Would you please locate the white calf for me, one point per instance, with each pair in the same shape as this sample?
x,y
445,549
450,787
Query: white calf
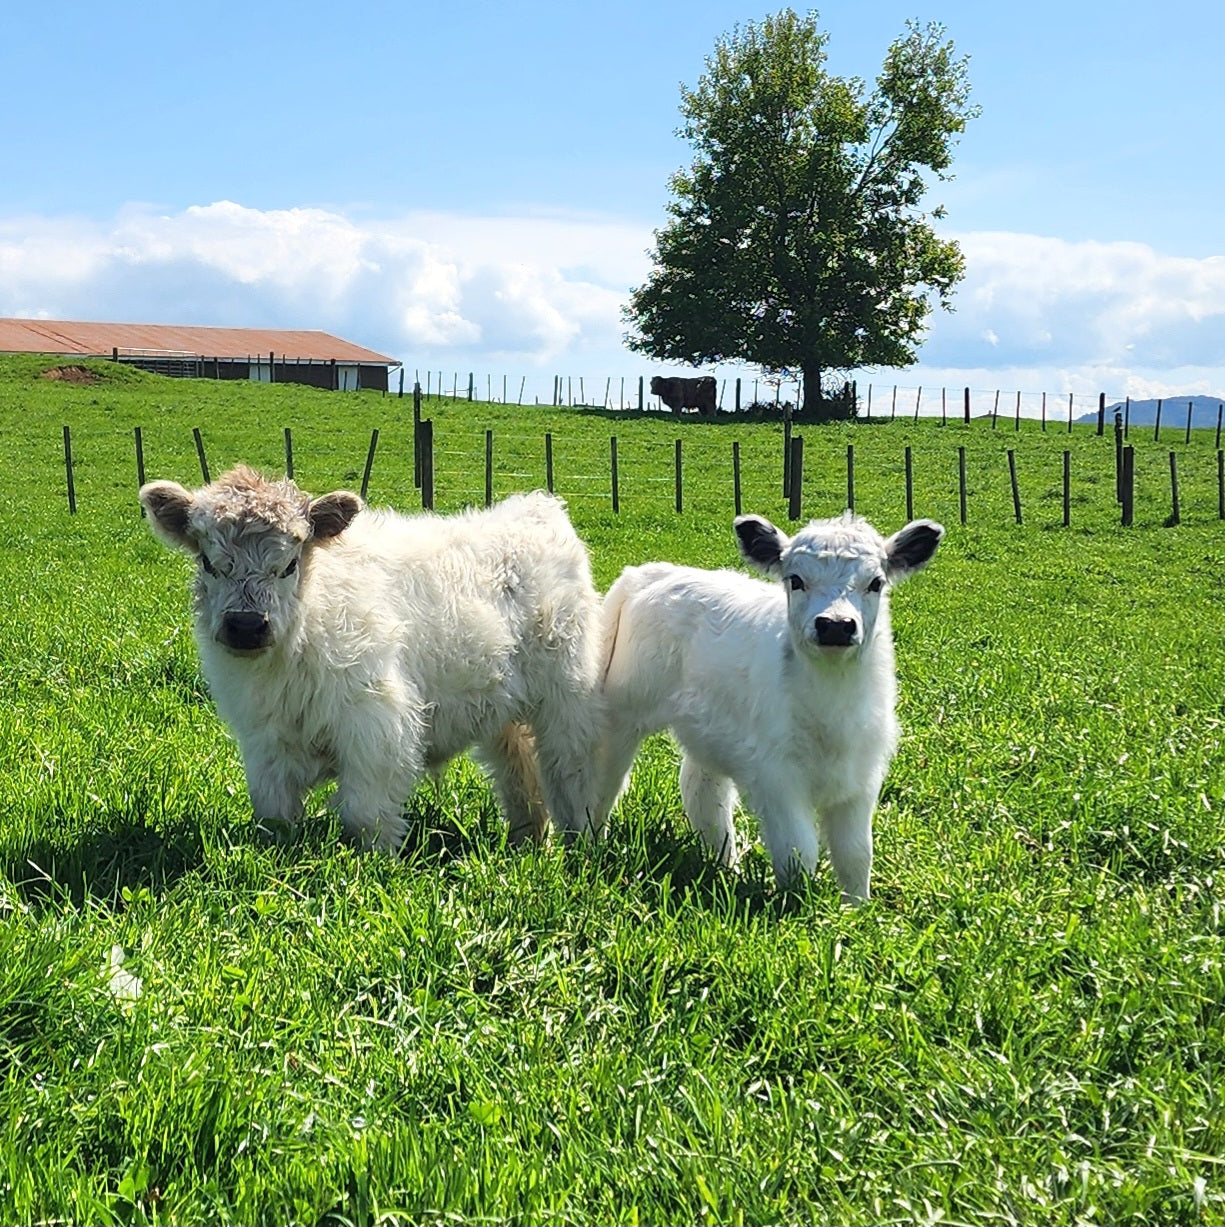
x,y
782,690
368,647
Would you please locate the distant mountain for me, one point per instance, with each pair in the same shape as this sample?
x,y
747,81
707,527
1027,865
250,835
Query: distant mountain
x,y
1173,412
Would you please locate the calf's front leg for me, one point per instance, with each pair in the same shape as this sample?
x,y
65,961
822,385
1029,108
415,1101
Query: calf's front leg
x,y
847,831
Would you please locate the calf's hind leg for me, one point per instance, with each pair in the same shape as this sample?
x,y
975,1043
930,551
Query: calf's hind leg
x,y
709,798
511,758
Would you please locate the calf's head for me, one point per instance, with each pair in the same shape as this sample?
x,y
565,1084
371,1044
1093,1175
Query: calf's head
x,y
249,536
836,574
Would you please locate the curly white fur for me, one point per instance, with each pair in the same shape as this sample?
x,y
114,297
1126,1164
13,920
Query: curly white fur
x,y
368,647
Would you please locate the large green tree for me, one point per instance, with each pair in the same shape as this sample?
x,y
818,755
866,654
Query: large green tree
x,y
797,240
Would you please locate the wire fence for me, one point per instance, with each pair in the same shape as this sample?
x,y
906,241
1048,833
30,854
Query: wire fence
x,y
872,400
659,473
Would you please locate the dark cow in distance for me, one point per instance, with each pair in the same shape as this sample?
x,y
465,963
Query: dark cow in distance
x,y
680,394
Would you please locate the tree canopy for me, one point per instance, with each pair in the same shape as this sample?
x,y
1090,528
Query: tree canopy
x,y
797,240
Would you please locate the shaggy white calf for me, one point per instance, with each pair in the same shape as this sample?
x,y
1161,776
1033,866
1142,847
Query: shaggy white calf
x,y
782,690
370,647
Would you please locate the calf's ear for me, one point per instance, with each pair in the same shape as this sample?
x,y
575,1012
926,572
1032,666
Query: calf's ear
x,y
910,549
168,505
760,543
331,514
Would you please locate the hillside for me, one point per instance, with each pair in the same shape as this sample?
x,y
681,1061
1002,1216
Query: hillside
x,y
1173,412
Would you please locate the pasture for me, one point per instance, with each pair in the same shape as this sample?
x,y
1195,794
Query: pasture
x,y
1024,1025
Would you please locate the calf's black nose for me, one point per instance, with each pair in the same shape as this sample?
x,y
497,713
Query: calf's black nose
x,y
836,632
245,631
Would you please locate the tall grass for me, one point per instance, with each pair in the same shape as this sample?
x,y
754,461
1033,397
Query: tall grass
x,y
1025,1025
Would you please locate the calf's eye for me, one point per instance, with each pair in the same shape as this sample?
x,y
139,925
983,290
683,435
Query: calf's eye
x,y
795,583
289,570
877,584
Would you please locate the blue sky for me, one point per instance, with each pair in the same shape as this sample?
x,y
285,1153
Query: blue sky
x,y
474,187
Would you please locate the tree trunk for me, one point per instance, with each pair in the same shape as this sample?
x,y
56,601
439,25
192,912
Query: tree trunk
x,y
814,407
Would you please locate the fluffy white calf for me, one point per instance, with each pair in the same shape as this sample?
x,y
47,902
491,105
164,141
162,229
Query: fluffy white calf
x,y
369,647
784,690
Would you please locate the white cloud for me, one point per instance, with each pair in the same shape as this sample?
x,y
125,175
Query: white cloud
x,y
1120,315
542,292
424,287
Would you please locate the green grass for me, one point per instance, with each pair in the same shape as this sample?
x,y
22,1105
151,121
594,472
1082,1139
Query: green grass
x,y
1025,1025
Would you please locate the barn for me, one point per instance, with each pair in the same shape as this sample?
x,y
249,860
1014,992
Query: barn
x,y
265,355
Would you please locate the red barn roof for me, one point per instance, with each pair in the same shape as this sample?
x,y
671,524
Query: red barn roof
x,y
101,340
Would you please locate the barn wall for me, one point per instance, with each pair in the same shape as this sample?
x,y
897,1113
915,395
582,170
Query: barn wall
x,y
373,377
314,374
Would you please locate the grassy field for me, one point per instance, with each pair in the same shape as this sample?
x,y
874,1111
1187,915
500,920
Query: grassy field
x,y
1024,1026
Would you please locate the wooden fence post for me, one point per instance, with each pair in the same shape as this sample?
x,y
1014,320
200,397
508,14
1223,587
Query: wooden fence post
x,y
1070,396
1217,444
416,435
374,442
72,490
961,480
678,478
1044,413
1101,414
786,454
548,461
470,385
288,453
918,398
1220,485
1129,485
1175,518
796,494
1018,424
737,393
1190,404
616,480
995,409
140,462
641,403
195,430
944,408
736,461
1126,417
1016,490
488,468
1157,424
427,464
967,406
